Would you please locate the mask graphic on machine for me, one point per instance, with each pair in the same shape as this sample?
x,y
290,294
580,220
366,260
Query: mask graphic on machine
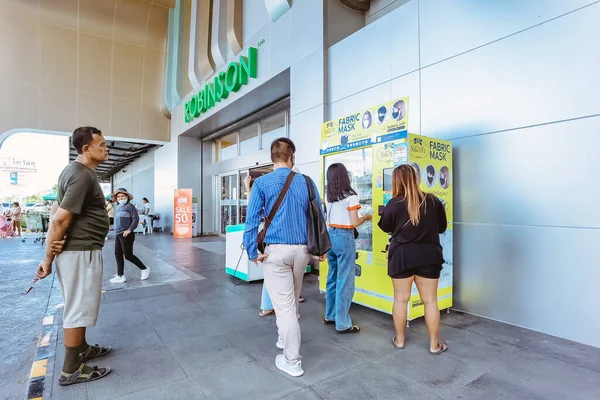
x,y
430,175
399,110
381,114
344,140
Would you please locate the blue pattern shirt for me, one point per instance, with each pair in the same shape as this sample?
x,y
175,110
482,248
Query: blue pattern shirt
x,y
289,224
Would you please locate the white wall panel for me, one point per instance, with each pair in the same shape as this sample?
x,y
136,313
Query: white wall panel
x,y
451,27
256,17
534,176
367,98
306,83
281,43
541,75
360,61
305,131
307,28
408,85
402,39
313,170
539,278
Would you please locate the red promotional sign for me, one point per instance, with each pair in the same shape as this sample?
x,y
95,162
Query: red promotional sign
x,y
183,214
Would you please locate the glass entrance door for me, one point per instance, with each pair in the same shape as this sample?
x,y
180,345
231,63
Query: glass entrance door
x,y
228,206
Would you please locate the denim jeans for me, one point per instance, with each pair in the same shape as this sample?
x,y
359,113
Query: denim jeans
x,y
265,300
340,279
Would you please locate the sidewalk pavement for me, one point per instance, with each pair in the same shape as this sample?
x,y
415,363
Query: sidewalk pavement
x,y
190,333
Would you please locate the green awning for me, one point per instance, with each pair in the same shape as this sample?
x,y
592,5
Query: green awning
x,y
50,196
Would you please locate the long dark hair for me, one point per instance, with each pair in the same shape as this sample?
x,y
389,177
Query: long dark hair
x,y
338,183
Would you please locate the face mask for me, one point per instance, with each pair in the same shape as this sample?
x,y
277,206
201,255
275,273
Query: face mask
x,y
395,114
122,202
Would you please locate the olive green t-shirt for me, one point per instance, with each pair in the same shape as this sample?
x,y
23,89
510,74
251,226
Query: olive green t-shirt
x,y
79,192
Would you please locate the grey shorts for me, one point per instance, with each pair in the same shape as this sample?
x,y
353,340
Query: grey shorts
x,y
79,274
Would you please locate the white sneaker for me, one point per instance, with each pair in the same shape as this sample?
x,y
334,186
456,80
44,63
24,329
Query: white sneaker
x,y
145,273
280,343
294,370
118,279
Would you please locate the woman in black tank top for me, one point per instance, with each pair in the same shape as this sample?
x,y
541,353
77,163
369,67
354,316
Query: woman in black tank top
x,y
414,220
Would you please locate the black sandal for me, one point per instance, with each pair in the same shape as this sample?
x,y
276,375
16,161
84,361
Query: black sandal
x,y
79,377
443,349
352,329
397,346
92,352
328,321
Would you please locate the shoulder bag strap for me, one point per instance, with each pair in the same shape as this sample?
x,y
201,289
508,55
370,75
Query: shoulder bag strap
x,y
286,186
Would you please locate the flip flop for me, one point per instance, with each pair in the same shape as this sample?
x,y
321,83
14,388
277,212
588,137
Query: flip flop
x,y
352,329
396,344
92,352
266,313
301,299
79,377
329,322
443,349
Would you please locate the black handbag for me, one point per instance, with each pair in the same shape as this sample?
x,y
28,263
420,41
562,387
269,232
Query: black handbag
x,y
317,235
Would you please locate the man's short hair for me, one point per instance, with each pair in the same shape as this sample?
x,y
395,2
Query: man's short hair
x,y
83,136
282,150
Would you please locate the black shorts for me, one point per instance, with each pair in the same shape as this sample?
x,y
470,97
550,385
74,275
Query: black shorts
x,y
425,271
111,220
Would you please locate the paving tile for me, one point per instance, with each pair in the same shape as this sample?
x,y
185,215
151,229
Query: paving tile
x,y
243,319
495,386
553,378
209,353
135,372
119,322
245,380
371,382
167,300
178,312
303,394
232,303
151,291
117,295
476,349
178,332
443,374
372,342
120,307
181,389
322,360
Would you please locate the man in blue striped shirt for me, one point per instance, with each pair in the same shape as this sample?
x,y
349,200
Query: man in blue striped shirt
x,y
285,258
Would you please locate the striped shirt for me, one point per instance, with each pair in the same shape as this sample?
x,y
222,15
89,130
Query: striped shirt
x,y
289,224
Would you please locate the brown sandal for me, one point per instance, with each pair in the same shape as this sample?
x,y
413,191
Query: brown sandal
x,y
266,313
443,349
79,377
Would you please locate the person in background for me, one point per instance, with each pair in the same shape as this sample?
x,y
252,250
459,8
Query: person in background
x,y
342,216
147,216
81,216
286,257
415,220
15,215
266,306
126,220
110,210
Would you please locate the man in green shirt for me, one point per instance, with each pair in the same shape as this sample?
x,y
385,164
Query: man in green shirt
x,y
80,216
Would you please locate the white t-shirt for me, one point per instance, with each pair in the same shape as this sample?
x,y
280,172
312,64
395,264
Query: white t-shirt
x,y
338,213
147,209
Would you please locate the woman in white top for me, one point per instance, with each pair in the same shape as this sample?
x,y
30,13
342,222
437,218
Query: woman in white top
x,y
342,216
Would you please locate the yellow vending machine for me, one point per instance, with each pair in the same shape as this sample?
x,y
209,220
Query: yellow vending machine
x,y
371,143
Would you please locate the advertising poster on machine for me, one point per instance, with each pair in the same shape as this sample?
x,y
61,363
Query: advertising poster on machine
x,y
182,212
370,162
377,124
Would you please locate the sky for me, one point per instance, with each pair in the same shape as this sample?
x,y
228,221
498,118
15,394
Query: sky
x,y
50,154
